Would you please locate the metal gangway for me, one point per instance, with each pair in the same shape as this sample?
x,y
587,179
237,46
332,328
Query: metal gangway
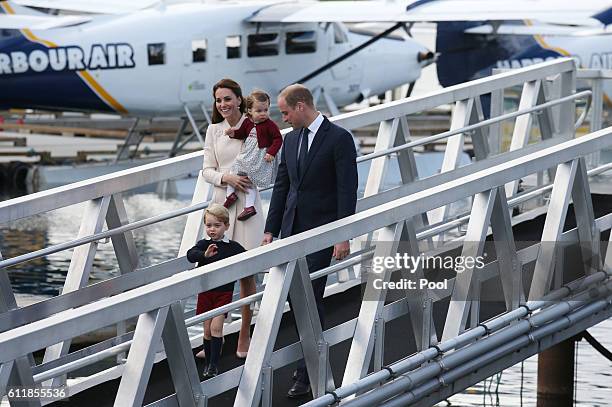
x,y
416,214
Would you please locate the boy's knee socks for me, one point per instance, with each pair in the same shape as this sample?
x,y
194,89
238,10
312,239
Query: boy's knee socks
x,y
207,350
215,350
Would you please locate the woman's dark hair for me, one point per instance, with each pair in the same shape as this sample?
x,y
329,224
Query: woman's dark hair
x,y
235,88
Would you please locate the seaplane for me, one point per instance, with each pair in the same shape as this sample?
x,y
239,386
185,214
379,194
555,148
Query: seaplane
x,y
156,57
161,59
472,49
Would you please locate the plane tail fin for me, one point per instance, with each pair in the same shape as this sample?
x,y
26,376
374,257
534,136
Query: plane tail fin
x,y
604,16
464,57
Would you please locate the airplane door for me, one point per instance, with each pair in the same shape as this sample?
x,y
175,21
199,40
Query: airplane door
x,y
338,45
194,86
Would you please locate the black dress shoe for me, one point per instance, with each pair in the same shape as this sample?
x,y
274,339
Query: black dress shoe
x,y
298,390
294,377
210,371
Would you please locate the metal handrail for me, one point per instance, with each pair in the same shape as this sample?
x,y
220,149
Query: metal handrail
x,y
127,302
108,184
517,200
575,288
70,323
436,229
473,127
194,208
571,288
118,349
203,205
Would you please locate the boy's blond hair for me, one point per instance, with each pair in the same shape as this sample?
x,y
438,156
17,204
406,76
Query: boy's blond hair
x,y
219,212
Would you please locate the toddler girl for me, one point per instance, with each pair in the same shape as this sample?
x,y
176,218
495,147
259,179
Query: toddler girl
x,y
262,141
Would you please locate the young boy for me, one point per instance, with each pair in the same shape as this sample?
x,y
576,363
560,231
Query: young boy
x,y
206,251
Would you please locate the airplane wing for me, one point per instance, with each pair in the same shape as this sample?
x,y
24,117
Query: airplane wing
x,y
18,22
529,30
556,11
91,6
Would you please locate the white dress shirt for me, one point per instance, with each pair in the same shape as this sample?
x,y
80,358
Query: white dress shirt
x,y
313,128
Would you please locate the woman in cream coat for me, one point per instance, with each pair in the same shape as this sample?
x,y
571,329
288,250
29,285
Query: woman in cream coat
x,y
220,151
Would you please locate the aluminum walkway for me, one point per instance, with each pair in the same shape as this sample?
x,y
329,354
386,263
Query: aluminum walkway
x,y
543,304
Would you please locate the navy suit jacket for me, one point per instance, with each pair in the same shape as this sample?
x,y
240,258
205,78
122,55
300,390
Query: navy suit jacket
x,y
327,190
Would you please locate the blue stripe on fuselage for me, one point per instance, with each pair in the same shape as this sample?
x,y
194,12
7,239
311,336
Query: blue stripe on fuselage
x,y
533,55
52,90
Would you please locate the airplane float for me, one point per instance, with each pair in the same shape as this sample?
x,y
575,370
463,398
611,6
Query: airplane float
x,y
156,58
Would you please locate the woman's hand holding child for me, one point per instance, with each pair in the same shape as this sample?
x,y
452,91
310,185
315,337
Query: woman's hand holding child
x,y
269,158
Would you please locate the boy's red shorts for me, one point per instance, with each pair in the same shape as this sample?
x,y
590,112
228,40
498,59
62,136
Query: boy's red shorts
x,y
212,299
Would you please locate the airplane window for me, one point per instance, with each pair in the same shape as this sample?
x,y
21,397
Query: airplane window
x,y
301,42
198,49
157,53
232,43
339,34
262,45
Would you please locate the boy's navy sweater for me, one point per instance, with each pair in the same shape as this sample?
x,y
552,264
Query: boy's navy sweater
x,y
224,250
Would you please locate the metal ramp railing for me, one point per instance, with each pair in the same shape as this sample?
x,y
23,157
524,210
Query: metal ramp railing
x,y
403,213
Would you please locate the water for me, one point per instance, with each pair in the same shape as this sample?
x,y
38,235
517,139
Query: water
x,y
43,278
593,379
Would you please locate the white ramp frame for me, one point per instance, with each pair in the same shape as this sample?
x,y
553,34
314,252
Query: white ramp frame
x,y
553,226
462,113
473,246
92,222
310,331
371,308
270,313
17,372
402,207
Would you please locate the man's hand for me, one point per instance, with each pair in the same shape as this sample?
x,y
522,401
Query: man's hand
x,y
266,239
341,250
211,250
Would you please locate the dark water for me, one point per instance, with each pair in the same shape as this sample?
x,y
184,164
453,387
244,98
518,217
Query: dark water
x,y
45,276
42,278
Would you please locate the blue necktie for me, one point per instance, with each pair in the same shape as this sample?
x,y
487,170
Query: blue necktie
x,y
303,152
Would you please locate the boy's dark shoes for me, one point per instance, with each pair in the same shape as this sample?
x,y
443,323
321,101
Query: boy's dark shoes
x,y
210,371
298,390
247,213
230,200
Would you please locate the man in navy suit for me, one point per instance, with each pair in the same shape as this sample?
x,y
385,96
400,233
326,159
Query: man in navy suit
x,y
316,184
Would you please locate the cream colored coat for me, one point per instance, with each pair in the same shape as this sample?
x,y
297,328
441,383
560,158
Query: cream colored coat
x,y
220,151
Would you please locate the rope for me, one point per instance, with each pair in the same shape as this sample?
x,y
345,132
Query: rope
x,y
392,374
597,345
522,377
499,377
337,399
575,372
